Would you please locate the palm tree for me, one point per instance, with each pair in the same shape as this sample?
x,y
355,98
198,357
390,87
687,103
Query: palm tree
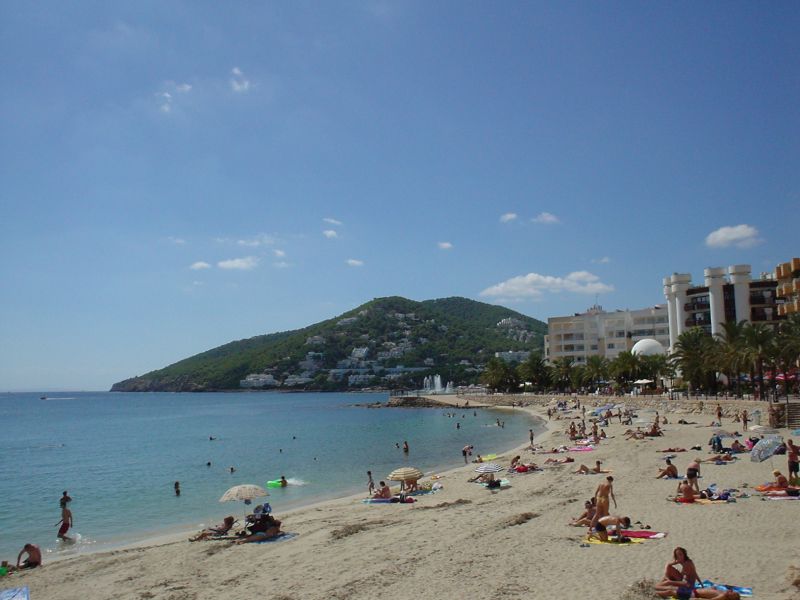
x,y
596,370
653,367
731,350
788,344
758,342
562,372
692,355
535,370
624,367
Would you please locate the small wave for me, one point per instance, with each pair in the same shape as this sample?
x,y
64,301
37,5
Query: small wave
x,y
59,398
296,481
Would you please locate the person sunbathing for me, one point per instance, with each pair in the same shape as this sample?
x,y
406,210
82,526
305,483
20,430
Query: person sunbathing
x,y
559,461
737,447
586,516
635,435
584,470
719,458
673,450
263,529
780,480
655,431
383,492
603,524
669,472
680,573
686,493
412,486
215,532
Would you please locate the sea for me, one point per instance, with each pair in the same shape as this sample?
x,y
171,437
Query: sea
x,y
118,455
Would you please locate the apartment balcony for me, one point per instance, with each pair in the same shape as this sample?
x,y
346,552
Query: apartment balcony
x,y
696,306
760,315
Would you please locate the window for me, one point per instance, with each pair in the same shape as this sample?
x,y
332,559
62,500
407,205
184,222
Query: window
x,y
611,346
593,347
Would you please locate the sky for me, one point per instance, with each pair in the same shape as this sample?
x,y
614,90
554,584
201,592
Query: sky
x,y
177,175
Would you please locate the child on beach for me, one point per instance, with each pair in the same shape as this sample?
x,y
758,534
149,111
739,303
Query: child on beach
x,y
370,483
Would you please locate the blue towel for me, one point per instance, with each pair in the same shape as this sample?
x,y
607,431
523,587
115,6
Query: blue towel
x,y
743,591
278,538
15,594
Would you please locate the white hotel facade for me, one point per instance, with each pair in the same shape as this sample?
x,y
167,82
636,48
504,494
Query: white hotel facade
x,y
600,333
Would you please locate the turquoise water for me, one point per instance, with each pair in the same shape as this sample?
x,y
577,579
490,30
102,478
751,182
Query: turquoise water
x,y
119,455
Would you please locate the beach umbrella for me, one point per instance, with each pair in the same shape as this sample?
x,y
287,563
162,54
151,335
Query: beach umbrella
x,y
405,474
764,449
244,493
724,434
488,468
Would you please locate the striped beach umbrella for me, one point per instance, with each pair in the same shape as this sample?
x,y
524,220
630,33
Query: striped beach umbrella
x,y
405,474
488,468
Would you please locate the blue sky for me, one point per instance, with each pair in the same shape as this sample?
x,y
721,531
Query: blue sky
x,y
178,175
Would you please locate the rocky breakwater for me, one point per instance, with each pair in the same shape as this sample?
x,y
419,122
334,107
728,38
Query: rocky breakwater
x,y
414,402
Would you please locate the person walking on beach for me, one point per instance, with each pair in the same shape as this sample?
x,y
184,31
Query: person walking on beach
x,y
601,495
530,437
370,483
65,522
719,414
744,420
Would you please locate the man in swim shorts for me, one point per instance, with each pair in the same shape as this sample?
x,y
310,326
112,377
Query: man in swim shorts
x,y
65,522
792,452
34,557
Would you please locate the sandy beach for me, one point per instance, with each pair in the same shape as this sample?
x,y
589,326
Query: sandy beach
x,y
467,541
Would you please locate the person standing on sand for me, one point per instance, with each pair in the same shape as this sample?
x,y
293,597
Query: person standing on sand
x,y
370,483
794,464
744,420
530,436
601,495
65,522
719,414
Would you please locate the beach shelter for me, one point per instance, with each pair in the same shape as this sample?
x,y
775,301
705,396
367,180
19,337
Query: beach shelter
x,y
488,468
764,449
244,493
405,474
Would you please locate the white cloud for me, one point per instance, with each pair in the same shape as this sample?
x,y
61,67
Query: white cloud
x,y
507,217
546,218
741,236
245,263
200,264
534,285
445,245
261,239
332,221
601,261
197,283
281,264
176,240
353,262
239,83
279,253
330,234
183,88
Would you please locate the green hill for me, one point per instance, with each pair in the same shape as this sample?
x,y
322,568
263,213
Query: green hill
x,y
390,342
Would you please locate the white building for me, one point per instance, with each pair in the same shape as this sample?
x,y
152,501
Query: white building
x,y
259,380
727,295
513,356
600,333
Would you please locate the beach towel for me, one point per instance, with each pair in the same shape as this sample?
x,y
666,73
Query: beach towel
x,y
15,594
386,501
780,497
742,591
581,449
615,543
504,483
644,534
281,537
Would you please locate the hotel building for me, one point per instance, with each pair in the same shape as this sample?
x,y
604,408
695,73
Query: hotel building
x,y
600,333
727,295
788,290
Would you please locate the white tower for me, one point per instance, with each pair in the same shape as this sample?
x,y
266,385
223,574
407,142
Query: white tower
x,y
715,279
740,278
673,321
680,283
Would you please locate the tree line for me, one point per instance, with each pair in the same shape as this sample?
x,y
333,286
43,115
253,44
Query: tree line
x,y
742,358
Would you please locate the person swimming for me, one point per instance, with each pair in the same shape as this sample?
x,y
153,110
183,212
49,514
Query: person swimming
x,y
284,483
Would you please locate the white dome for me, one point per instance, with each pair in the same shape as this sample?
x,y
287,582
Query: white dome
x,y
648,347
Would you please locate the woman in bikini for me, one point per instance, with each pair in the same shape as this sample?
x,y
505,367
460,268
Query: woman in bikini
x,y
679,574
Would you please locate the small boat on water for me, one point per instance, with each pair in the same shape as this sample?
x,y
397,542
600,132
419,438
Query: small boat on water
x,y
42,397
